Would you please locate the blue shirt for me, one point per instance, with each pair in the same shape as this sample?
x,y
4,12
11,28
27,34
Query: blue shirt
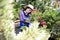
x,y
23,17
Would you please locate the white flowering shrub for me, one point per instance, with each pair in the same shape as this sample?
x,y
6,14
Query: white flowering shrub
x,y
33,33
0,24
8,29
7,22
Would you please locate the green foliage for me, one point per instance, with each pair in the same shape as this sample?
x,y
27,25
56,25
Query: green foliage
x,y
6,18
55,30
50,16
21,3
34,16
3,3
42,4
16,10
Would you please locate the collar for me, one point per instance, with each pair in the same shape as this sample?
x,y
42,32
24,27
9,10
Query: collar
x,y
25,14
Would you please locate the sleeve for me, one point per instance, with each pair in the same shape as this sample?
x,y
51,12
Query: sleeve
x,y
21,16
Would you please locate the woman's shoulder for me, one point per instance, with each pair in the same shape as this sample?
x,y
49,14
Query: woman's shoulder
x,y
21,12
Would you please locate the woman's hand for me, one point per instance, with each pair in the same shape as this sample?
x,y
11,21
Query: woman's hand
x,y
27,20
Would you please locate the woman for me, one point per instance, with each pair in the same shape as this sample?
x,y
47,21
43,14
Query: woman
x,y
25,16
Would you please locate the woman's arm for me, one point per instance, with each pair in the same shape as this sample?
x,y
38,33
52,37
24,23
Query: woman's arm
x,y
22,18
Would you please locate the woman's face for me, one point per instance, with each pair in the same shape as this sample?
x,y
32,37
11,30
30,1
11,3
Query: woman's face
x,y
28,10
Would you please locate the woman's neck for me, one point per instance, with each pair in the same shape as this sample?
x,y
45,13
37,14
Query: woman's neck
x,y
25,12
